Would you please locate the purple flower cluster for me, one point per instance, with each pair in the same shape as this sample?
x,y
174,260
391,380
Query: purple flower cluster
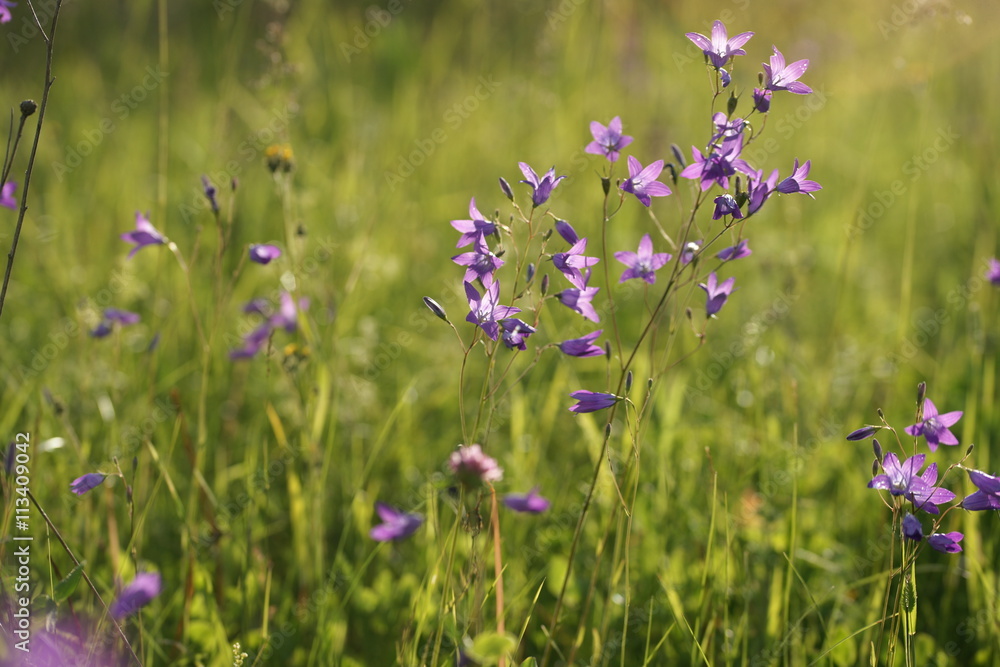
x,y
921,490
286,317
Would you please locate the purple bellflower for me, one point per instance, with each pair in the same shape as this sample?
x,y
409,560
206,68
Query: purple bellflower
x,y
91,480
901,479
529,502
473,467
264,253
688,253
567,232
946,542
472,229
486,311
590,401
911,528
642,181
145,234
480,262
722,162
934,427
863,433
5,7
778,76
571,261
726,205
760,189
738,251
515,331
988,495
720,48
993,272
724,128
396,524
762,100
717,294
583,347
541,188
139,593
579,299
7,192
608,141
644,263
797,182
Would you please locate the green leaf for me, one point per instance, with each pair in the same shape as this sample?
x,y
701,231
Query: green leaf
x,y
530,662
66,587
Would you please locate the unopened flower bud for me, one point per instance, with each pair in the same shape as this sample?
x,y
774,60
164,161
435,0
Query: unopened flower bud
x,y
881,415
607,431
678,155
673,172
877,448
731,104
862,433
606,185
506,189
969,450
607,349
547,235
28,107
628,382
435,308
875,465
531,271
545,284
921,392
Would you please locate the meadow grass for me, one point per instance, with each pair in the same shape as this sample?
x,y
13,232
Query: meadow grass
x,y
750,538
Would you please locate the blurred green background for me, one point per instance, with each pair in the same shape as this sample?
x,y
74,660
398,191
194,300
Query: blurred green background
x,y
396,119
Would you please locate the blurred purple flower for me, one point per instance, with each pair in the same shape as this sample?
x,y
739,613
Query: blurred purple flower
x,y
91,480
541,188
112,315
993,272
139,593
396,524
726,205
778,76
582,347
145,234
644,263
988,495
486,311
727,78
946,542
514,332
7,192
912,528
285,318
762,100
797,182
608,141
252,342
720,48
529,502
480,262
571,261
738,251
264,253
579,300
210,193
690,248
717,294
472,229
472,467
590,401
5,7
934,427
642,181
